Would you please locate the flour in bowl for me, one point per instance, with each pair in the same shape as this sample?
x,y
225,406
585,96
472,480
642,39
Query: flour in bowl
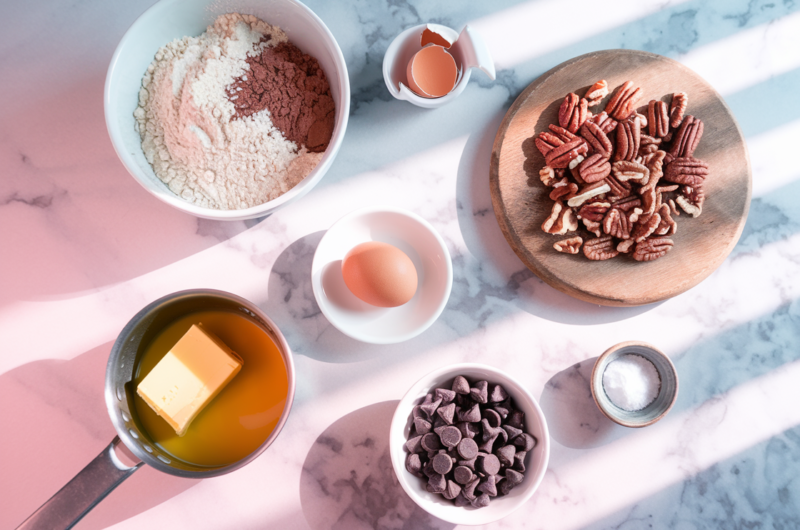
x,y
191,133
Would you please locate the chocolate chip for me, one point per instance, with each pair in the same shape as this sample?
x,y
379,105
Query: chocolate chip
x,y
481,501
416,412
442,464
488,445
506,455
525,442
460,385
452,490
467,429
498,394
488,486
505,487
489,464
492,417
450,436
414,445
480,393
519,461
446,413
463,401
462,501
514,477
470,463
489,431
463,474
503,411
430,442
427,469
445,395
516,418
414,464
430,407
469,489
437,482
473,414
438,422
513,432
467,448
422,426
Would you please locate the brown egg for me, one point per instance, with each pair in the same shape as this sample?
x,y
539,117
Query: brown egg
x,y
380,274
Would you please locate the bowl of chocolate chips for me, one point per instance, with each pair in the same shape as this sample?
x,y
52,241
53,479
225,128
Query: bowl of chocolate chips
x,y
469,444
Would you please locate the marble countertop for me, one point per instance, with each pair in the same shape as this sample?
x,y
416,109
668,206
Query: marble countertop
x,y
83,247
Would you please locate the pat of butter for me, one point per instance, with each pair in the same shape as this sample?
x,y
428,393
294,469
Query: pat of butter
x,y
189,376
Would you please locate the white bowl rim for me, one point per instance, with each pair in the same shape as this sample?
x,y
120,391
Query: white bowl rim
x,y
399,421
319,295
260,210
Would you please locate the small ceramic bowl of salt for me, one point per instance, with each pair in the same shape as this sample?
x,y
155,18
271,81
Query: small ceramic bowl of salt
x,y
634,384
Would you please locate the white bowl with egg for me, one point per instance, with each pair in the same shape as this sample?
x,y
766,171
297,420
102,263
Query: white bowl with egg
x,y
536,461
413,236
173,19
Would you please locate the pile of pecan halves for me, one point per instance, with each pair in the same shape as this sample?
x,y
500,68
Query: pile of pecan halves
x,y
621,173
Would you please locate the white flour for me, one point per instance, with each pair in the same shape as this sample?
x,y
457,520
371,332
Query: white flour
x,y
188,136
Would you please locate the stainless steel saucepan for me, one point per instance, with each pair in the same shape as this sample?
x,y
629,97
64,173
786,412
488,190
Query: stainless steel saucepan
x,y
132,447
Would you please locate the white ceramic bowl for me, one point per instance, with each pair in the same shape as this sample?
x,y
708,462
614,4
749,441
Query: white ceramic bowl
x,y
382,325
174,19
435,504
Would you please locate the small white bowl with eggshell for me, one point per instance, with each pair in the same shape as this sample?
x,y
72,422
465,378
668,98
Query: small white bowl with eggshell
x,y
382,227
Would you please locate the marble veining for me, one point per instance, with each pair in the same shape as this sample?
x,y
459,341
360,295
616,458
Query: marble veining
x,y
83,247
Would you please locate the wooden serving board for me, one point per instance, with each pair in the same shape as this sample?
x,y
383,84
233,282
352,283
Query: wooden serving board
x,y
521,201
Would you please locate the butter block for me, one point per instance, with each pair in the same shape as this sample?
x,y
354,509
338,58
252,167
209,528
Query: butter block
x,y
189,376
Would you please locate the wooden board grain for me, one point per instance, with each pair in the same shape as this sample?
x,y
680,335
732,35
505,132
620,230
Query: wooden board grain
x,y
521,202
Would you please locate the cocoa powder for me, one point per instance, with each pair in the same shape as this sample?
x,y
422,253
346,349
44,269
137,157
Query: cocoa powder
x,y
292,86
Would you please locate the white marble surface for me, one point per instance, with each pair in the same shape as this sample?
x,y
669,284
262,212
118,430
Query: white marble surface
x,y
83,247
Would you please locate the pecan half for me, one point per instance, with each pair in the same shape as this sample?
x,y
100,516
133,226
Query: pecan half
x,y
593,226
596,92
600,248
657,118
563,189
628,138
687,137
655,164
623,102
651,249
688,171
677,107
587,192
596,138
646,139
594,211
560,221
573,112
562,134
691,200
594,168
626,170
569,246
645,227
647,149
628,203
617,188
667,226
617,224
625,245
547,176
547,141
604,121
561,156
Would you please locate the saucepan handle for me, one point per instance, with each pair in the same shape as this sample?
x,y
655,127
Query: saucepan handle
x,y
82,493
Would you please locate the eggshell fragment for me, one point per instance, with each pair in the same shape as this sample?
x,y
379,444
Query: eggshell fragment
x,y
380,274
432,72
431,37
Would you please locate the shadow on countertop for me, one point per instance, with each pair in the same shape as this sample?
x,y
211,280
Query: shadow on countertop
x,y
348,480
57,423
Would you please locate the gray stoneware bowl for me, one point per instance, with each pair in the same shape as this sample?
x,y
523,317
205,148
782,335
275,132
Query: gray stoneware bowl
x,y
656,410
174,19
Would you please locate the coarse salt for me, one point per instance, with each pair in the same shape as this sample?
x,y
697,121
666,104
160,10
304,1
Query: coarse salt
x,y
631,382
